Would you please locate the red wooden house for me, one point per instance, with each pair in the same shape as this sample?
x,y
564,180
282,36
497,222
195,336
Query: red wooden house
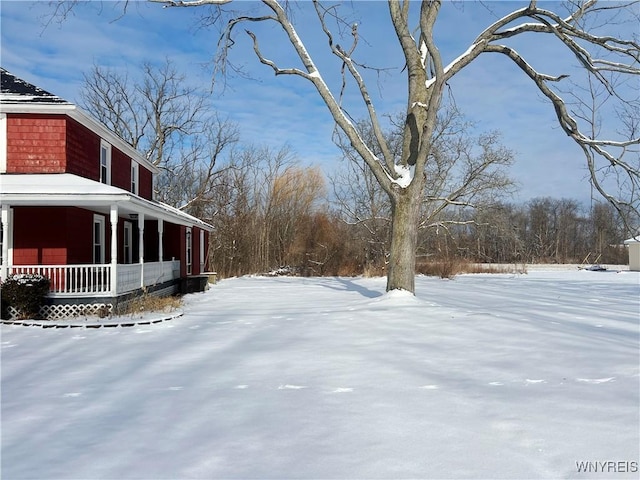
x,y
78,207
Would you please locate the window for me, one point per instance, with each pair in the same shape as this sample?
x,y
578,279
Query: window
x,y
134,177
126,245
98,239
202,250
105,162
189,252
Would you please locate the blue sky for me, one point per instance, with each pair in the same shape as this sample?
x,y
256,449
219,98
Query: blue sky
x,y
276,110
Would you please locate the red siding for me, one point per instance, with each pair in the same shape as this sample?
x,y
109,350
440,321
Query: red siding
x,y
171,241
145,189
30,246
40,143
120,170
80,242
151,252
58,246
83,148
35,143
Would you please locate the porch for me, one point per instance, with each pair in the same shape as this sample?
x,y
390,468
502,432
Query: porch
x,y
101,280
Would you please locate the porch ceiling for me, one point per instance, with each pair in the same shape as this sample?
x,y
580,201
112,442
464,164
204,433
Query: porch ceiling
x,y
65,189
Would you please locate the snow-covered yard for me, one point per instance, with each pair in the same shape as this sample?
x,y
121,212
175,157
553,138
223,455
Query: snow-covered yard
x,y
484,376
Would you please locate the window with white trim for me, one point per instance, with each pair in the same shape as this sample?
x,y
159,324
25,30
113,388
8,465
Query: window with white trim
x,y
202,251
127,241
134,177
98,239
105,162
189,252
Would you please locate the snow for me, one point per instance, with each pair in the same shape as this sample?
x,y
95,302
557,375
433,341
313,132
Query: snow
x,y
405,175
483,376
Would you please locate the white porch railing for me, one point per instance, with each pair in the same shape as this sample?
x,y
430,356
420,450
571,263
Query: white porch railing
x,y
95,280
71,279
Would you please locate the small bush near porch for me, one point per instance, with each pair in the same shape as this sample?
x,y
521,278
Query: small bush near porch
x,y
26,293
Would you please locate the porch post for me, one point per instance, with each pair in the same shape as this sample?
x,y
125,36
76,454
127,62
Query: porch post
x,y
141,247
6,235
114,249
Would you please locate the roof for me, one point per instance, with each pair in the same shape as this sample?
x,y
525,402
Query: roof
x,y
632,240
16,90
66,189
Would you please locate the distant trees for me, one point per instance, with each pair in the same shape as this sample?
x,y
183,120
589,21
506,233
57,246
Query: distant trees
x,y
595,34
545,230
252,235
272,213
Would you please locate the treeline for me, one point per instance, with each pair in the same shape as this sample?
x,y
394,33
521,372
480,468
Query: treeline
x,y
270,214
543,230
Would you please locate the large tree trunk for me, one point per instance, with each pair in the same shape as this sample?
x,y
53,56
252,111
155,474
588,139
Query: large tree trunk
x,y
405,212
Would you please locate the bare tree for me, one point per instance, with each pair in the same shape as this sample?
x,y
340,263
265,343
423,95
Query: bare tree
x,y
464,172
172,123
602,51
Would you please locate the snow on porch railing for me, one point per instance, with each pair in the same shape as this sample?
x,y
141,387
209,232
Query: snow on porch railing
x,y
71,279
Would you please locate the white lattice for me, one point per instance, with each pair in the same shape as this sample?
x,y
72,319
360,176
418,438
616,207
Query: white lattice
x,y
62,311
69,310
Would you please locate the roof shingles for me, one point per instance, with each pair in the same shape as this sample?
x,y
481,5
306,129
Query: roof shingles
x,y
16,90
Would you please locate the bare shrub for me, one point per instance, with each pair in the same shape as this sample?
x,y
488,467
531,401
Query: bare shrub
x,y
452,266
151,303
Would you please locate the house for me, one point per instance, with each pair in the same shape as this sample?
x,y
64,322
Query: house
x,y
634,253
78,207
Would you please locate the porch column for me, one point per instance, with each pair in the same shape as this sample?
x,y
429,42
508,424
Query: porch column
x,y
4,272
141,247
114,249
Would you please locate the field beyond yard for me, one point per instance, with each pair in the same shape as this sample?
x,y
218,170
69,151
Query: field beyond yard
x,y
482,376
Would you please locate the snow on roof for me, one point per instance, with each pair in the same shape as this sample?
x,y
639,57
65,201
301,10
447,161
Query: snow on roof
x,y
16,90
69,189
54,184
635,239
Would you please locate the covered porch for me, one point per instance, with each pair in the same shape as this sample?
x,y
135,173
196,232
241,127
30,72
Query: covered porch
x,y
95,242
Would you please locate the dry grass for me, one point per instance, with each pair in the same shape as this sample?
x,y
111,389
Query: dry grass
x,y
151,303
374,271
450,267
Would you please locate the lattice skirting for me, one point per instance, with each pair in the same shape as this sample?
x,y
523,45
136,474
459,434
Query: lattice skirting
x,y
61,311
